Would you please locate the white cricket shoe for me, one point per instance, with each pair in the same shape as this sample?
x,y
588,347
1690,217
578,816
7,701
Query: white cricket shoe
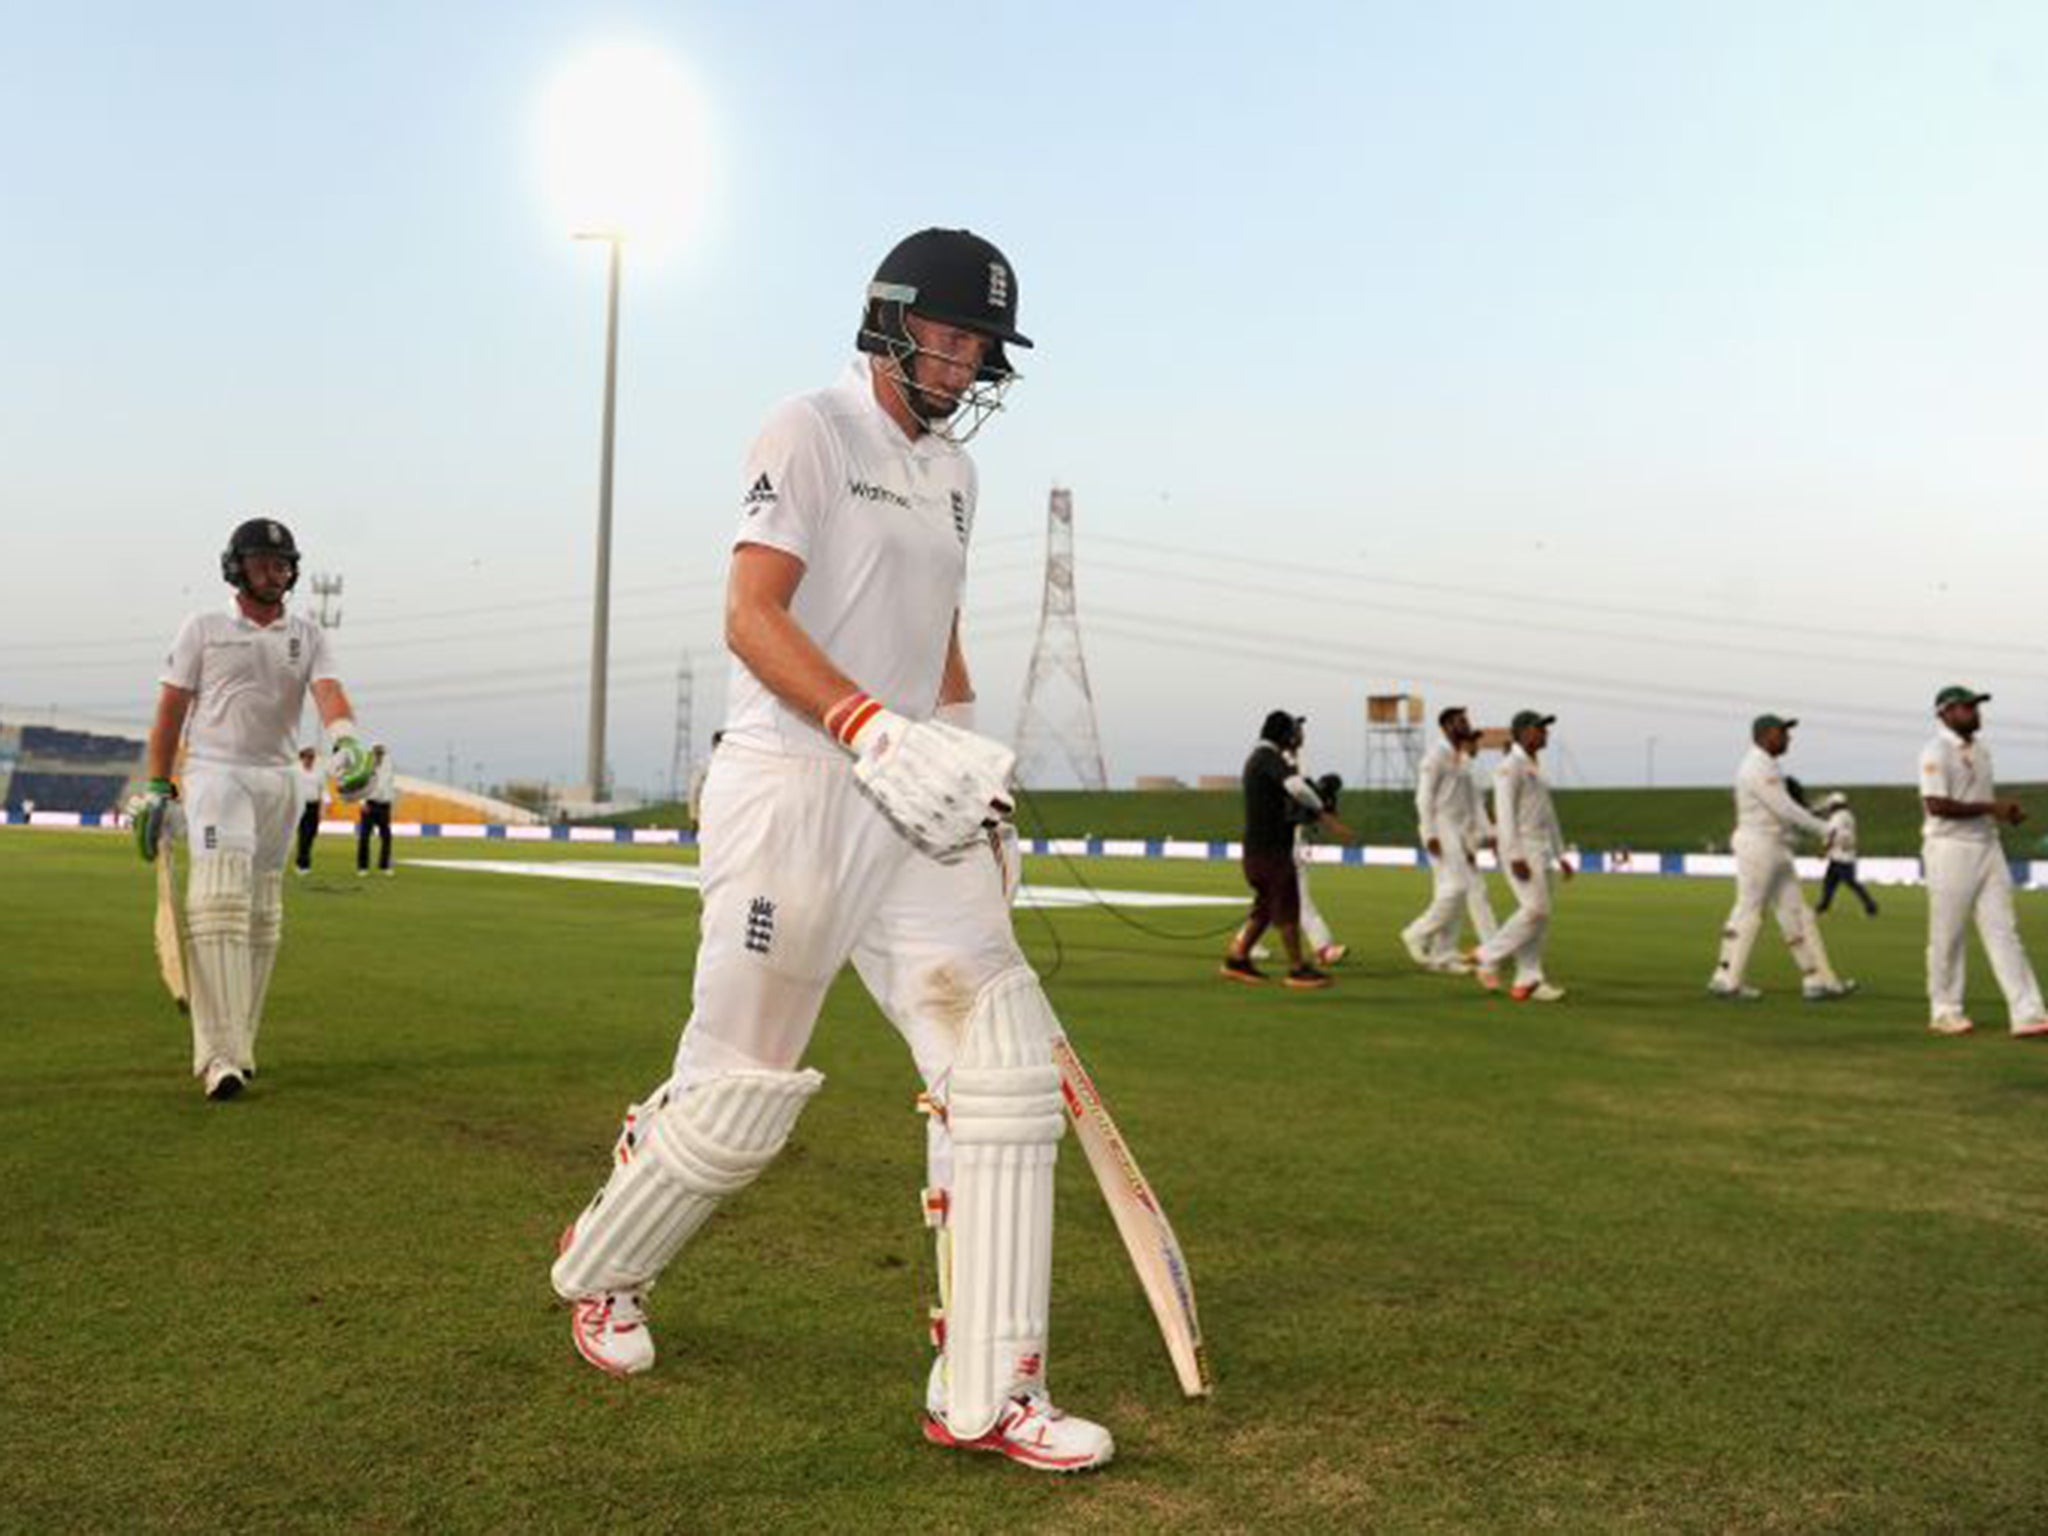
x,y
1742,994
1332,954
1415,950
1826,991
2028,1029
1950,1024
1537,992
1032,1432
223,1082
610,1331
1451,965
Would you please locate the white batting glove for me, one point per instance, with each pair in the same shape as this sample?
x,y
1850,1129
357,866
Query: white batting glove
x,y
942,786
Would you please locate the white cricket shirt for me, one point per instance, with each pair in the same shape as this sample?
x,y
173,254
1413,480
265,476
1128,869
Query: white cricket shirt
x,y
1524,818
1443,794
881,524
383,782
1954,769
1763,806
1842,836
250,684
312,785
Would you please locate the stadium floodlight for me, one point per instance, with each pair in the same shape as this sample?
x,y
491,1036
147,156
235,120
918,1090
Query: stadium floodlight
x,y
621,146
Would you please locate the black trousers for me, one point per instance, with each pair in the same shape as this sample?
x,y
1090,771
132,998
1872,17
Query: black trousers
x,y
1842,872
376,813
309,828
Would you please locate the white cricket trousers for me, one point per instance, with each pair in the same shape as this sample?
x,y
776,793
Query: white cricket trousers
x,y
1315,932
238,831
1521,936
1456,883
802,872
1765,877
1966,876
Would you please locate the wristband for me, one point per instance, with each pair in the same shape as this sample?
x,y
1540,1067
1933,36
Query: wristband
x,y
843,721
340,729
164,787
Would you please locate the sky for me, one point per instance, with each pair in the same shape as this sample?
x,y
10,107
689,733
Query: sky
x,y
1656,365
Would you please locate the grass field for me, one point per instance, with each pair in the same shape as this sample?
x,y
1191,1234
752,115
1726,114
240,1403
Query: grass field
x,y
1685,820
1635,1262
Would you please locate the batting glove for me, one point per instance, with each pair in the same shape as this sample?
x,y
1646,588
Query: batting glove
x,y
348,762
146,812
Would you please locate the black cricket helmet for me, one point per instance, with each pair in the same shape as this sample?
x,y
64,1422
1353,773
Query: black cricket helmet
x,y
957,278
258,536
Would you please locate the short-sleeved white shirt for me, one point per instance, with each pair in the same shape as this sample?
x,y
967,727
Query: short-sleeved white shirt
x,y
1954,769
250,684
312,785
881,523
1764,806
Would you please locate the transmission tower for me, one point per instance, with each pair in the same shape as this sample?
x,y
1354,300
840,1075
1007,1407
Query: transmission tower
x,y
682,756
1393,740
327,588
1057,720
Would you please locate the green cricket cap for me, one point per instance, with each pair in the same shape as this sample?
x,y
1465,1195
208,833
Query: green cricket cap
x,y
1956,693
1524,718
1764,723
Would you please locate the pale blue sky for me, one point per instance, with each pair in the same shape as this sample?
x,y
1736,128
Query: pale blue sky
x,y
1659,363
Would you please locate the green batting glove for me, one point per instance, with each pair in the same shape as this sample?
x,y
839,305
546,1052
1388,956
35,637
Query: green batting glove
x,y
350,766
146,812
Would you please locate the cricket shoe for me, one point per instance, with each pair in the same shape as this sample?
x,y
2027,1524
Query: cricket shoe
x,y
1033,1433
1415,950
1240,970
1537,992
1451,965
1950,1024
223,1082
1485,975
1306,977
2030,1029
1738,994
1332,954
610,1331
1826,991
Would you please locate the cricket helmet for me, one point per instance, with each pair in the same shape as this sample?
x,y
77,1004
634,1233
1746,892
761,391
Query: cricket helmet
x,y
954,277
258,536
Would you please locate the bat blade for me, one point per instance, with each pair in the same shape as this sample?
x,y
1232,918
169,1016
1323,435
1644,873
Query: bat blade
x,y
1148,1237
170,938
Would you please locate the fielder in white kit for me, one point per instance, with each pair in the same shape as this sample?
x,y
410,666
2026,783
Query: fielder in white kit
x,y
1452,824
1966,871
1767,819
1530,843
232,690
850,813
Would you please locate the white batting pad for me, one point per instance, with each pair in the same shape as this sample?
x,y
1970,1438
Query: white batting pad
x,y
677,1158
266,931
217,911
940,784
1002,1103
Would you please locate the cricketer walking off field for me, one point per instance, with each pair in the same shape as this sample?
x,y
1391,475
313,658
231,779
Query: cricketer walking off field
x,y
1531,843
1767,819
1452,825
232,691
851,813
1966,871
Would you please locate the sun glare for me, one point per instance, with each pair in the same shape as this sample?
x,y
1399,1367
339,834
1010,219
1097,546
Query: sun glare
x,y
622,147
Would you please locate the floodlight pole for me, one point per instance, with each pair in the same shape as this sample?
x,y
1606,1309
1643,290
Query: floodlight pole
x,y
600,623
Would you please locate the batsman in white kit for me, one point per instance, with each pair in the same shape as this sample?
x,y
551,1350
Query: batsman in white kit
x,y
852,813
232,690
1767,819
1967,873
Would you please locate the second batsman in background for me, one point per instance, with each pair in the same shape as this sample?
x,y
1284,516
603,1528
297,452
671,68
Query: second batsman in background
x,y
851,812
232,690
1273,790
1767,818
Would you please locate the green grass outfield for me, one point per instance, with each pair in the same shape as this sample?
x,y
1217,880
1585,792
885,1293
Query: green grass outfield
x,y
1637,1262
1663,820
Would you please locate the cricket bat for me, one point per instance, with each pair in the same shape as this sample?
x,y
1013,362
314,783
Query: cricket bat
x,y
170,935
1148,1236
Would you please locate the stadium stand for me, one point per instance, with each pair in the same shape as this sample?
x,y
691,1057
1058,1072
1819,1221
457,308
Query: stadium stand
x,y
58,763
